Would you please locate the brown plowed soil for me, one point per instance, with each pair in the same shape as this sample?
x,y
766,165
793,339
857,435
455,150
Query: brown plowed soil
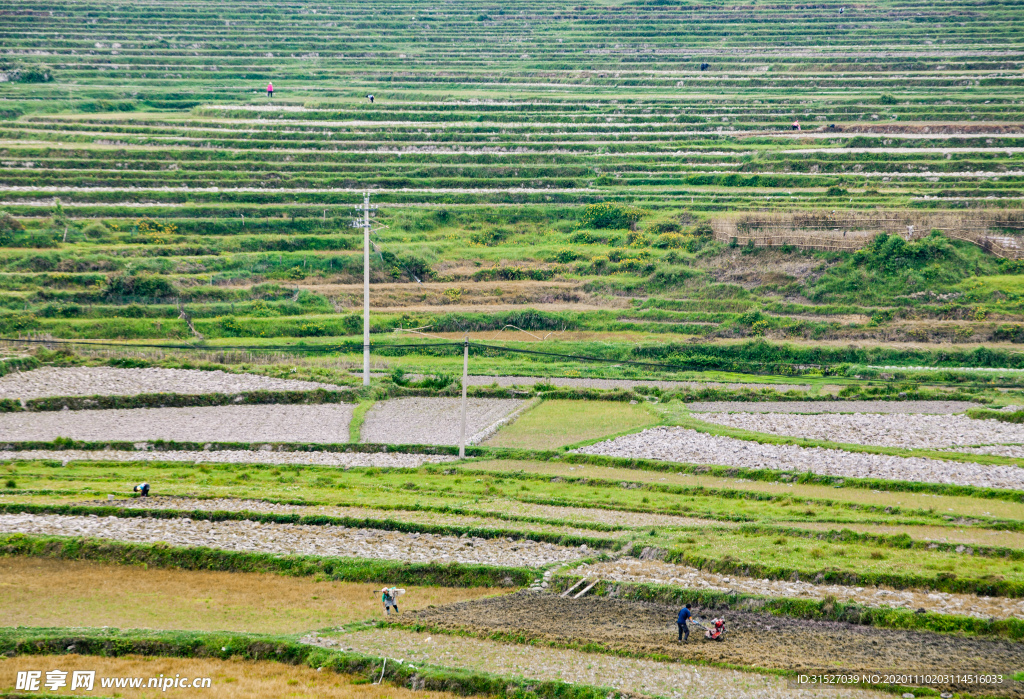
x,y
752,639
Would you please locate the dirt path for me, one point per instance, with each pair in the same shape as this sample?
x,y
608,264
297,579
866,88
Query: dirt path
x,y
753,640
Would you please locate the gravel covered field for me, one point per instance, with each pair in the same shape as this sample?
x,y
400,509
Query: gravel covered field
x,y
644,677
107,381
895,430
232,423
415,516
936,407
433,420
310,458
297,539
662,573
688,446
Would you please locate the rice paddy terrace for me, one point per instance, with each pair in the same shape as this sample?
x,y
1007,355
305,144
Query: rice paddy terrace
x,y
627,168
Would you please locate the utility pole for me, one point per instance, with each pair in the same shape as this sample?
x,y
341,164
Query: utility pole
x,y
366,208
465,377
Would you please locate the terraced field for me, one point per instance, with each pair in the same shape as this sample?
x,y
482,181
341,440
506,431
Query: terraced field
x,y
742,289
180,181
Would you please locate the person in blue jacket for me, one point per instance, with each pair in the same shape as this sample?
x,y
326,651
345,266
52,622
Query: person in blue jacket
x,y
684,630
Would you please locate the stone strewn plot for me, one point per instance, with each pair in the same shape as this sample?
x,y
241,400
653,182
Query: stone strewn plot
x,y
311,458
897,430
107,381
936,407
233,423
662,573
689,446
432,420
418,516
297,539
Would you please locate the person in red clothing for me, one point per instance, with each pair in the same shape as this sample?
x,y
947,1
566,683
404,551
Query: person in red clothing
x,y
270,89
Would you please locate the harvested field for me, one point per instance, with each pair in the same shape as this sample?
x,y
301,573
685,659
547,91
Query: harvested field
x,y
688,446
107,381
895,430
231,679
662,573
232,456
752,640
632,675
905,407
234,423
433,420
297,539
47,592
558,423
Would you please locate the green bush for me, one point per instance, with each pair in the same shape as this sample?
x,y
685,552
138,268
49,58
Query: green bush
x,y
231,326
611,216
148,285
96,230
312,329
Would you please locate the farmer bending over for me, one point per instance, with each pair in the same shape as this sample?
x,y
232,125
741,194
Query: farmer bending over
x,y
389,596
684,630
142,489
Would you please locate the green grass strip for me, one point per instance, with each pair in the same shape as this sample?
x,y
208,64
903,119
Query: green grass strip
x,y
899,541
355,425
1016,417
943,582
162,555
191,644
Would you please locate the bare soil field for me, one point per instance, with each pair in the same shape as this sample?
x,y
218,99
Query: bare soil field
x,y
231,679
752,640
44,592
433,420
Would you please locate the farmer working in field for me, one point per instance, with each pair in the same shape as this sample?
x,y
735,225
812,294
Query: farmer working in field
x,y
389,596
684,630
142,489
270,89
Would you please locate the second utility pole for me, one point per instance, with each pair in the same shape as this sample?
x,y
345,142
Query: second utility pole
x,y
465,380
366,289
